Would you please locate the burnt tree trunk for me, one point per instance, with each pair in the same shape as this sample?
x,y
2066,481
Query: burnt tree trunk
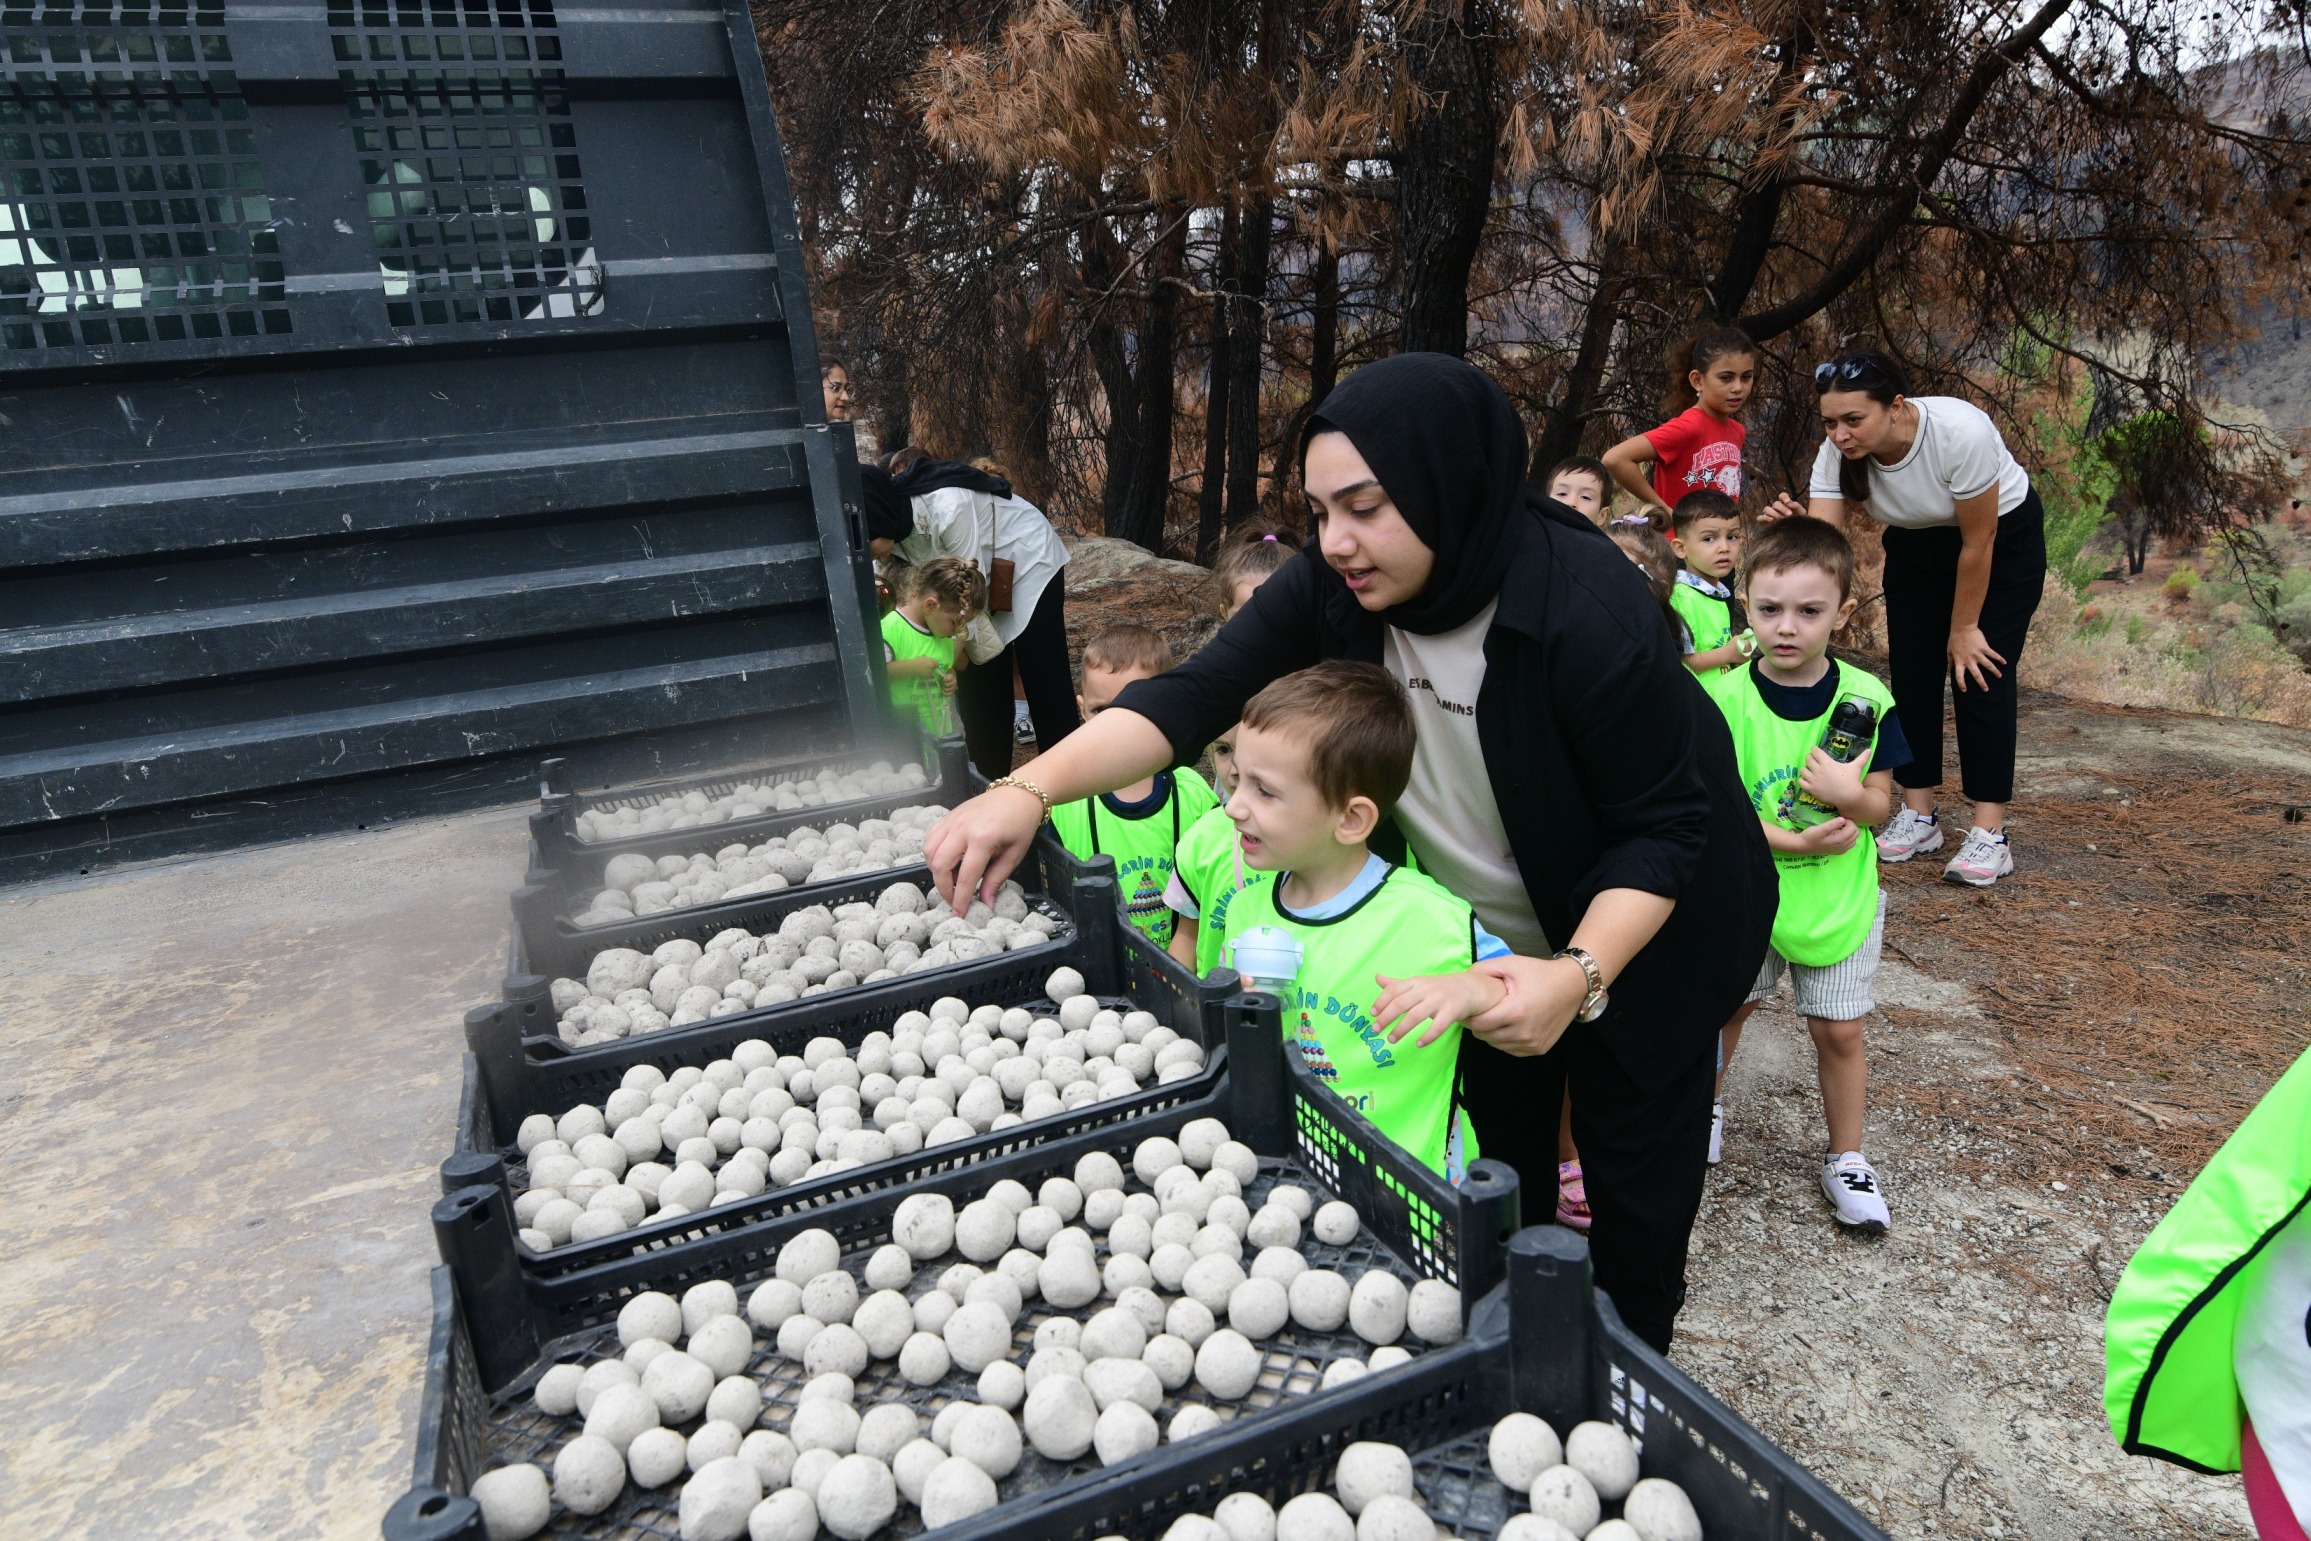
x,y
1209,496
1323,369
1111,359
1142,521
1563,419
1247,338
1445,170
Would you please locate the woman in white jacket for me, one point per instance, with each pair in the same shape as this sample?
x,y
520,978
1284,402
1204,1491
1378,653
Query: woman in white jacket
x,y
944,508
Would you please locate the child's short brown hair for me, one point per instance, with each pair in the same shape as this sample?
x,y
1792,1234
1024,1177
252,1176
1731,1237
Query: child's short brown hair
x,y
1127,650
1800,541
1699,504
1581,465
1356,722
1252,555
953,582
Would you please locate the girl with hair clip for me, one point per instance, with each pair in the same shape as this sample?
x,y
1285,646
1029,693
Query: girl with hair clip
x,y
1710,380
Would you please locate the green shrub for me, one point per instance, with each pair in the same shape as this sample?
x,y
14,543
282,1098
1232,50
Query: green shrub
x,y
2181,582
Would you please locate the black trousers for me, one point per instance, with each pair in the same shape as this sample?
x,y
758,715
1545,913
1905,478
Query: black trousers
x,y
1644,1155
1921,586
983,691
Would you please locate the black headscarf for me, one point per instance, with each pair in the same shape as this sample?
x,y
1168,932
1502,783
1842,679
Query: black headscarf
x,y
931,475
888,516
1450,449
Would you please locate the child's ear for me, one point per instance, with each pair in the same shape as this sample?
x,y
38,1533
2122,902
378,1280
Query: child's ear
x,y
1357,821
1677,544
1845,612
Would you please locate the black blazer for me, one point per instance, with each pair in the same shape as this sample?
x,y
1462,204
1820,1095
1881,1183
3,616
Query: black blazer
x,y
1611,766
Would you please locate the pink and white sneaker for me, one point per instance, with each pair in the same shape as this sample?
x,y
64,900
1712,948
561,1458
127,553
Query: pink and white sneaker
x,y
1908,833
1982,860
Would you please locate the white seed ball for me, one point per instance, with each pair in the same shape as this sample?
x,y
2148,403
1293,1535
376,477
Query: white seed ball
x,y
1233,1157
1191,1321
1605,1455
736,1401
717,1499
1336,1223
933,1309
1195,1527
795,1333
858,1498
987,1437
1155,1156
1282,1264
1199,1138
589,1474
1102,1207
1227,1364
983,1231
1113,1334
1258,1308
1056,1359
955,1490
833,1386
723,1344
1076,1012
1097,1172
786,1514
997,1290
884,1321
1368,1469
1170,1263
622,1412
557,1390
1003,1384
886,1429
1211,1280
1319,1300
1564,1495
1064,984
515,1501
1145,1304
1123,1380
1433,1312
1393,1517
600,1377
1245,1516
1025,1271
831,1297
650,1314
1060,1417
701,1303
773,1455
1532,1527
1191,1420
1130,1236
1520,1448
1069,1277
1218,1241
657,1457
1376,1307
1273,1226
913,1465
679,1384
1388,1358
924,1360
809,1254
810,1469
837,1348
1658,1510
1062,1197
890,1267
822,1423
943,1426
1314,1517
977,1335
1124,1429
1614,1530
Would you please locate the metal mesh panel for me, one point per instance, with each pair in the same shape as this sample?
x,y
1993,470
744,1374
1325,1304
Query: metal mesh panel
x,y
468,158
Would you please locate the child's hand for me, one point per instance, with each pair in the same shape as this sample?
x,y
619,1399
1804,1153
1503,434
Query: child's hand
x,y
1782,507
1830,781
1834,838
947,682
1440,1000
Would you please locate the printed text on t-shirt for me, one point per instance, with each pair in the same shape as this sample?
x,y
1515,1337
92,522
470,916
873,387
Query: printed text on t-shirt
x,y
1416,683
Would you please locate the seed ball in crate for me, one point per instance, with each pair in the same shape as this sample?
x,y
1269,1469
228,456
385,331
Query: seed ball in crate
x,y
1211,1280
1273,1226
953,1491
1003,1384
810,1469
1245,1517
657,1457
1533,1527
1369,1468
1376,1307
977,1335
832,1386
1169,1263
772,1455
1314,1517
831,1297
1191,1420
1191,1321
557,1390
1123,1380
924,1225
589,1474
1336,1223
1658,1510
679,1384
717,1499
1433,1312
773,1301
885,1429
837,1348
1388,1358
736,1401
1227,1365
1069,1277
1053,1359
822,1423
1258,1308
987,1437
1605,1455
785,1514
1564,1495
884,1321
1124,1430
621,1412
640,1354
723,1344
1391,1517
1060,1417
983,1231
1520,1448
514,1500
1614,1530
924,1360
1341,1371
1125,1273
932,1311
600,1377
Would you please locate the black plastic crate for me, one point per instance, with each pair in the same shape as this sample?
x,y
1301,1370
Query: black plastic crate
x,y
1145,980
513,1325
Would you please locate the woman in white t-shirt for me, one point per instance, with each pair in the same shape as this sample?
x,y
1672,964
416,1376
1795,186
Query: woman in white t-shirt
x,y
1965,542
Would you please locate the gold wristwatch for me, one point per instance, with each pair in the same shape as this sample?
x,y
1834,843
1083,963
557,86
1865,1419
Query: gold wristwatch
x,y
1593,1004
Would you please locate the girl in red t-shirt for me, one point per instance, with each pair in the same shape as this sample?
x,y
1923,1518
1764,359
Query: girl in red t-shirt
x,y
1700,447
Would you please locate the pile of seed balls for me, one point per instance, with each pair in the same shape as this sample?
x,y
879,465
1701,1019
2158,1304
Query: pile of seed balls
x,y
1181,1308
687,810
813,951
757,1120
635,884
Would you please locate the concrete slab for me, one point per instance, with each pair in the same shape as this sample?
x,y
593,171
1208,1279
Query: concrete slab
x,y
224,1086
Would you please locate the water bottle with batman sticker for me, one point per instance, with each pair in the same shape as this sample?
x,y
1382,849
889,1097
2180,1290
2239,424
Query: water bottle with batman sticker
x,y
1853,727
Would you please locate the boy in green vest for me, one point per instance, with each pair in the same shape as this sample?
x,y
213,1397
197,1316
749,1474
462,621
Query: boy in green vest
x,y
1818,745
935,602
1362,952
1705,532
1208,872
1141,825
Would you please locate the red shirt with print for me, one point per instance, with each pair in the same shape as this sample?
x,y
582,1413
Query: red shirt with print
x,y
1696,449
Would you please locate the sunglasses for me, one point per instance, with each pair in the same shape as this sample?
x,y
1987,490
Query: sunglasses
x,y
1844,374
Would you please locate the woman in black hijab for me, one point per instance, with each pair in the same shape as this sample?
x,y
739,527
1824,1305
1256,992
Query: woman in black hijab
x,y
1572,782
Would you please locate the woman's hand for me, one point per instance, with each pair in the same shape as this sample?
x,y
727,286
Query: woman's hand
x,y
1440,1000
1539,998
1782,507
974,848
1971,655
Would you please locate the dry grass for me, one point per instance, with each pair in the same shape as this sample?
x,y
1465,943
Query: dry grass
x,y
2153,663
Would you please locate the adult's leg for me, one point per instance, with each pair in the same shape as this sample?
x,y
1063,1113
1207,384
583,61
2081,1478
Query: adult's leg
x,y
983,701
1043,669
1921,582
1644,1155
1503,1093
1986,719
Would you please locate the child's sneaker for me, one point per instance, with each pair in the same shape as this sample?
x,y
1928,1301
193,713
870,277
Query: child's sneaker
x,y
1851,1184
1908,833
1981,861
1716,1132
1572,1197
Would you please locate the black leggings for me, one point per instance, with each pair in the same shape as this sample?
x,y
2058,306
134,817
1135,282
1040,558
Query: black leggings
x,y
983,691
1921,586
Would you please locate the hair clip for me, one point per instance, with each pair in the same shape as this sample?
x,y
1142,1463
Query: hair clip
x,y
1269,538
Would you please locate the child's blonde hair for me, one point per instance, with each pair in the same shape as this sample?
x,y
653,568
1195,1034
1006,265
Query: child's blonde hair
x,y
954,583
1252,555
1127,650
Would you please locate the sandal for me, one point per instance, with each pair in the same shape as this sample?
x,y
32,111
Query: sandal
x,y
1572,1197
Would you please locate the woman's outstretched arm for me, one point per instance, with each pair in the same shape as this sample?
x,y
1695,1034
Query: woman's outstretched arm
x,y
973,849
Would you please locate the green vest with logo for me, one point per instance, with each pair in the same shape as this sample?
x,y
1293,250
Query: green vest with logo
x,y
1145,846
1709,618
1828,903
1410,924
1211,868
922,694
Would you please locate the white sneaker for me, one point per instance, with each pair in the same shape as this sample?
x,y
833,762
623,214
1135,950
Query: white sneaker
x,y
1851,1184
1716,1132
1981,861
1908,833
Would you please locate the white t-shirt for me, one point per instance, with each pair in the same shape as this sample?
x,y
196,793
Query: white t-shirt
x,y
1448,812
1958,453
955,521
2272,1358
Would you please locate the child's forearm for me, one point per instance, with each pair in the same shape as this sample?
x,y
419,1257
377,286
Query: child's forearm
x,y
1788,842
1874,806
1183,947
1721,657
1629,468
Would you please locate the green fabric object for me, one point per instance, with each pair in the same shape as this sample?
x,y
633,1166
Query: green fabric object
x,y
1145,845
1709,618
1212,872
2169,1384
1409,925
923,695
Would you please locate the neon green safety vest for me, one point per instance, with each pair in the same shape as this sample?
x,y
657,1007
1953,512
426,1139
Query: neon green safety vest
x,y
1210,866
2171,1386
1409,925
1828,903
907,640
1709,618
1145,846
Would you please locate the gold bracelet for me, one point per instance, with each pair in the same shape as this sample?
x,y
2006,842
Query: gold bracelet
x,y
1024,785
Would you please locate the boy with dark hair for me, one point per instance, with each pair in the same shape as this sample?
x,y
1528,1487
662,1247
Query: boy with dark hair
x,y
1321,758
1139,826
1818,746
1582,484
1705,532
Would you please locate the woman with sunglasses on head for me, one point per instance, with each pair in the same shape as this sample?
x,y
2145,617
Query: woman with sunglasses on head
x,y
1965,548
